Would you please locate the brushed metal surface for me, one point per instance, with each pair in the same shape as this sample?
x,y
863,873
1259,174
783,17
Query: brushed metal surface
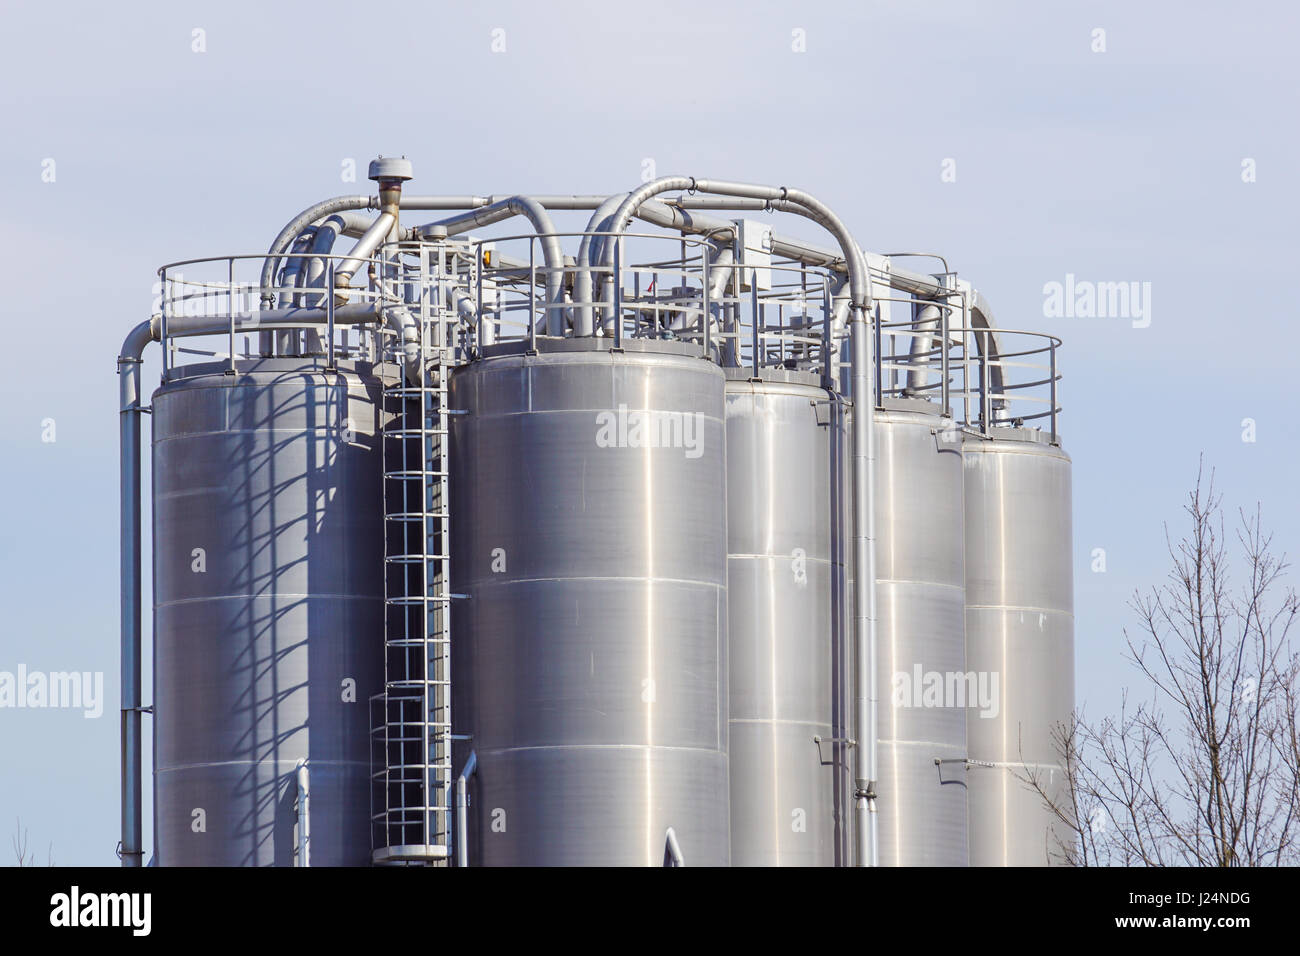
x,y
274,474
779,616
920,602
590,657
1019,623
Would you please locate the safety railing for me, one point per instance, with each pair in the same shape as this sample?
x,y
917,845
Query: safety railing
x,y
1013,379
219,299
774,315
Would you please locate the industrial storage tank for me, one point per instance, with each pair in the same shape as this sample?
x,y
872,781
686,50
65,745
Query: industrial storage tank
x,y
590,647
782,647
1020,627
922,668
565,589
267,607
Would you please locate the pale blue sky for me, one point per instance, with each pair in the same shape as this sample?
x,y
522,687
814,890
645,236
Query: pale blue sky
x,y
1115,166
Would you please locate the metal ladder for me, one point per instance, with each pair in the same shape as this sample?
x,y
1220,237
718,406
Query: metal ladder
x,y
411,731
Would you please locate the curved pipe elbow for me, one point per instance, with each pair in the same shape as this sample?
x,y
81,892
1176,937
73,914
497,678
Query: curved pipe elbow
x,y
295,226
364,249
584,322
133,345
552,253
404,326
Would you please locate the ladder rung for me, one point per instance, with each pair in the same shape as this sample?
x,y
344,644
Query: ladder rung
x,y
412,601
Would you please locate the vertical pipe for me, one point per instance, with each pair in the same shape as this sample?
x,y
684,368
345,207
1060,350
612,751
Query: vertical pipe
x,y
864,596
304,814
129,421
880,359
753,322
129,411
462,805
584,314
828,381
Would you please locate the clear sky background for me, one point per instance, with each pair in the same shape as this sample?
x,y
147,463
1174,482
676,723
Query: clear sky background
x,y
1122,165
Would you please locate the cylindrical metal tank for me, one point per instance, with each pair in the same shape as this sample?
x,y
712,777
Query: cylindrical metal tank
x,y
779,574
1019,629
268,609
922,678
590,652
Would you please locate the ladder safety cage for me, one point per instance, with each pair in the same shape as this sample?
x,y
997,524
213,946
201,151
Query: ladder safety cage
x,y
411,720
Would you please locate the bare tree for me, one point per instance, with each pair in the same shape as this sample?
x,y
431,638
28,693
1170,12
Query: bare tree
x,y
1206,772
18,841
22,855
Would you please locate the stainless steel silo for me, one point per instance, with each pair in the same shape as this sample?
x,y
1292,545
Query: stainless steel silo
x,y
590,649
779,577
268,609
921,666
1020,627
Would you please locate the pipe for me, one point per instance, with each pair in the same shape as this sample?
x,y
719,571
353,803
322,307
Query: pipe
x,y
584,315
361,313
296,225
327,233
981,314
926,324
320,210
462,805
552,253
284,343
407,329
672,852
460,302
129,412
864,455
668,214
720,273
303,778
364,249
662,214
313,274
865,704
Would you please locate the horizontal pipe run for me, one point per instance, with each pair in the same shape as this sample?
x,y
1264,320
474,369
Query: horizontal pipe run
x,y
362,313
